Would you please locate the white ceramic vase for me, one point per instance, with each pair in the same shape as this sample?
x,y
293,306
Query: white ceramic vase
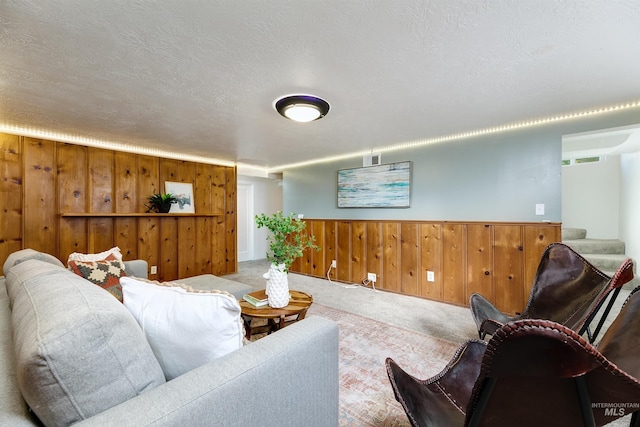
x,y
278,286
266,288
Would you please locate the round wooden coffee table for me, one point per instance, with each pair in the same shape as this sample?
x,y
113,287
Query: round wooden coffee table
x,y
277,318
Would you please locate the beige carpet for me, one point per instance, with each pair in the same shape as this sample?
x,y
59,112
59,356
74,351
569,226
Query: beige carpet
x,y
432,318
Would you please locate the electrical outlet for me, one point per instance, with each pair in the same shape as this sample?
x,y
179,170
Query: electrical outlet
x,y
540,209
154,269
431,277
371,277
334,264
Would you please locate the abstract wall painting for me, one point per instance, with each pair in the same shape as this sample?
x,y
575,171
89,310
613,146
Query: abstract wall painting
x,y
184,193
382,186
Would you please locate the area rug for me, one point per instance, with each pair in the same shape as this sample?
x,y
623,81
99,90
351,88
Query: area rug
x,y
366,397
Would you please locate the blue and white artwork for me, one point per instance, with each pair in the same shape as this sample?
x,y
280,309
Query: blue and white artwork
x,y
183,192
383,186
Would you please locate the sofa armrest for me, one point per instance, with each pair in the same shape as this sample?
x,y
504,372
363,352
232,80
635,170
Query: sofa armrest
x,y
13,409
136,268
288,378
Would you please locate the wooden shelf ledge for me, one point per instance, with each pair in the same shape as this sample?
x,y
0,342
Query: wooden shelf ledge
x,y
139,214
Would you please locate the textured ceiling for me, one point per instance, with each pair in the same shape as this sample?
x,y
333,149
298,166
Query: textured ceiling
x,y
200,77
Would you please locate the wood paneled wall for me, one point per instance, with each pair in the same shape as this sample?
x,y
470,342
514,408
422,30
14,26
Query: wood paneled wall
x,y
61,198
497,260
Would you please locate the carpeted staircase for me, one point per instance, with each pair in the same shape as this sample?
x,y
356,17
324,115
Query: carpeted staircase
x,y
606,254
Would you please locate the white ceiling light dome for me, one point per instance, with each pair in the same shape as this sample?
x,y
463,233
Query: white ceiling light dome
x,y
302,108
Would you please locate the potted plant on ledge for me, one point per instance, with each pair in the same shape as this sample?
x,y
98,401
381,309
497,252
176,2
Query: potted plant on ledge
x,y
160,203
287,241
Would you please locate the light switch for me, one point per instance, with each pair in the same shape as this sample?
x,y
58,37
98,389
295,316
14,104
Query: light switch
x,y
540,209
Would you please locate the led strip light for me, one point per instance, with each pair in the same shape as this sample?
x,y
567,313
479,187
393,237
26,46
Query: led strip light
x,y
91,142
109,145
465,135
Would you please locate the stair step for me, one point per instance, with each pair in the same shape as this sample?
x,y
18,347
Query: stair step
x,y
608,263
573,233
632,284
596,246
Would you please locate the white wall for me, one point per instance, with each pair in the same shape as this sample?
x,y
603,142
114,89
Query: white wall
x,y
591,198
630,203
267,198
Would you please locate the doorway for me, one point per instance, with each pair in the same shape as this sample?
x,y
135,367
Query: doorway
x,y
600,178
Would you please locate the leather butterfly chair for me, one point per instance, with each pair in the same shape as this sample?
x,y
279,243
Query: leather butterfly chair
x,y
567,289
531,373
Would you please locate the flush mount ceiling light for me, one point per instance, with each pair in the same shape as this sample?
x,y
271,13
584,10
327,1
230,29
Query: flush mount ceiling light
x,y
302,108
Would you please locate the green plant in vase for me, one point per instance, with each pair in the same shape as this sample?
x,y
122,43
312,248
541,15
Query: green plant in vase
x,y
160,203
287,241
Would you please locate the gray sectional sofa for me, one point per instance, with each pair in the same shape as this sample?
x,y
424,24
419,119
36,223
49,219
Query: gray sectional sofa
x,y
78,357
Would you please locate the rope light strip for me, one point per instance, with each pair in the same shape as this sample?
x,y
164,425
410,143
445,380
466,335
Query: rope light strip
x,y
109,145
464,135
92,142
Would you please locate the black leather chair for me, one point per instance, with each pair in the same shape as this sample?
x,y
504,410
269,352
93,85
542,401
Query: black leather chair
x,y
567,289
532,372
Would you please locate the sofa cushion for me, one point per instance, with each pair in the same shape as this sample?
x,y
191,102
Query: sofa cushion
x,y
209,282
34,269
104,273
27,254
186,328
13,409
78,350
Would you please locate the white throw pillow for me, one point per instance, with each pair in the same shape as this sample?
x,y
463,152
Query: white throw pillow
x,y
186,328
77,256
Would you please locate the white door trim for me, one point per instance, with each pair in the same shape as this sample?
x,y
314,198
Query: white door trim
x,y
245,222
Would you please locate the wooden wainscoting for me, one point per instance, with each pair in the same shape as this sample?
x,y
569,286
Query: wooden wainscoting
x,y
61,198
497,259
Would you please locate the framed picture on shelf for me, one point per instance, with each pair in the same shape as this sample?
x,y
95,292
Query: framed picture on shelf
x,y
183,192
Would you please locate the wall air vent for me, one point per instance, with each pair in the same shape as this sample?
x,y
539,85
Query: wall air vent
x,y
371,160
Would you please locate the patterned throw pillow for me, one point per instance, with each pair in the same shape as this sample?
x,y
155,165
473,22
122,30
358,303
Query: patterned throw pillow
x,y
105,273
